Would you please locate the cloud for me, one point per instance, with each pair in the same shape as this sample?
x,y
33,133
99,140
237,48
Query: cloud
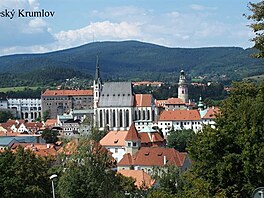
x,y
198,7
23,31
104,30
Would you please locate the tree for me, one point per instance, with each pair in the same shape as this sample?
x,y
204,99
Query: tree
x,y
46,115
50,136
23,175
257,26
88,174
5,115
178,139
228,160
168,179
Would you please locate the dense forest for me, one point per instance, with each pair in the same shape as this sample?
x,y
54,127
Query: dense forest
x,y
132,60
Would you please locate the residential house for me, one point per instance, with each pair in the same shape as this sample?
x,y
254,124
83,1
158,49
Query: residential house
x,y
146,158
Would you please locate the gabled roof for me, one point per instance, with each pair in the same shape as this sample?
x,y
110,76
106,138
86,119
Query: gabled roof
x,y
127,160
180,115
114,138
142,178
174,101
132,134
51,122
143,100
154,156
68,93
116,94
211,113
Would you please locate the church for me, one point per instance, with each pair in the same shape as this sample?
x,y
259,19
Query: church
x,y
116,106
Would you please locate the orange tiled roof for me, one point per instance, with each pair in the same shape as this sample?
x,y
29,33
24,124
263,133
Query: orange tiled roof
x,y
154,156
51,122
132,134
143,100
180,115
142,178
211,113
174,101
114,138
33,124
68,93
43,150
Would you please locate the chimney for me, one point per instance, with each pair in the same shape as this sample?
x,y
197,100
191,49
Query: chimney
x,y
164,160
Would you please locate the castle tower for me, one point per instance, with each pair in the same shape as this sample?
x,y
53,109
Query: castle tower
x,y
132,140
97,88
183,88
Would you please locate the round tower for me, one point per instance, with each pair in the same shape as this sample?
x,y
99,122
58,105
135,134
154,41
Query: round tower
x,y
183,88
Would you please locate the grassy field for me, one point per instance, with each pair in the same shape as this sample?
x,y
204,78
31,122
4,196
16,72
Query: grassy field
x,y
6,89
255,78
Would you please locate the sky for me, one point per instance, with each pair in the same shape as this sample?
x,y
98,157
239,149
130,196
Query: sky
x,y
171,23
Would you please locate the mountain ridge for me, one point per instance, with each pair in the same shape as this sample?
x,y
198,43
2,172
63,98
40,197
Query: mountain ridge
x,y
128,60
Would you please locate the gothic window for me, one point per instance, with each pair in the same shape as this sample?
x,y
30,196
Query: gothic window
x,y
135,115
144,116
148,115
127,118
120,118
107,117
114,118
101,119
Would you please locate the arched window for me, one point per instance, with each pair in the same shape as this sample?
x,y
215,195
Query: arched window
x,y
127,118
120,118
26,115
114,118
139,114
107,117
101,119
148,115
144,115
153,115
135,115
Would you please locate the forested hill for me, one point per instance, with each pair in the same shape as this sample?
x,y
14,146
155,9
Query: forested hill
x,y
133,59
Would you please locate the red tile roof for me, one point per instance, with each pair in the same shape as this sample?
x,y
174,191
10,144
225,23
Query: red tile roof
x,y
211,113
174,101
180,115
143,100
154,156
51,122
114,138
142,178
132,134
68,93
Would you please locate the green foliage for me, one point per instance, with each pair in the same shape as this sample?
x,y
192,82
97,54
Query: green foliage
x,y
23,175
46,115
257,26
229,159
5,115
178,139
129,60
96,134
88,174
50,136
169,179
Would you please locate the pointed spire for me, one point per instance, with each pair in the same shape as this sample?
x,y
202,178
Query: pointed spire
x,y
97,72
132,134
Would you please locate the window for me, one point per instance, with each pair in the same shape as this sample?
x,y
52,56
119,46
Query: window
x,y
129,144
116,150
134,144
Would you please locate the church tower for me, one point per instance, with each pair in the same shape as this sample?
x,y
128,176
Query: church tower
x,y
183,88
97,88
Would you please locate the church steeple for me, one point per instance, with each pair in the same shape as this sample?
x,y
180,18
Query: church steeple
x,y
97,85
97,71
